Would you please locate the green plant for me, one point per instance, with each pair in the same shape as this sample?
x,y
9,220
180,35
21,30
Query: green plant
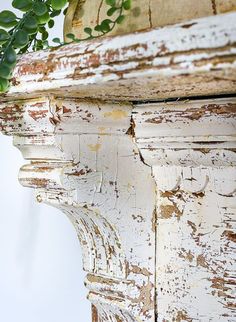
x,y
30,32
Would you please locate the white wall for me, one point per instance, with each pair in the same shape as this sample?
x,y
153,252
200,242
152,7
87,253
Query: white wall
x,y
41,277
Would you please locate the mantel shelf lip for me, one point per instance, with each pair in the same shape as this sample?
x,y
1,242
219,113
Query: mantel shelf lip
x,y
196,58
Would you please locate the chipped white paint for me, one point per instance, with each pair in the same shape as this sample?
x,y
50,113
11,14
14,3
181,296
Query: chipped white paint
x,y
191,148
149,187
81,152
149,65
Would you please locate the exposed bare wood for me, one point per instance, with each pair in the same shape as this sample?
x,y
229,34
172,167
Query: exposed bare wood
x,y
191,148
149,187
197,58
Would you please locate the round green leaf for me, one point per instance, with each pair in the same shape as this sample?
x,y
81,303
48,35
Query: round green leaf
x,y
127,5
10,56
4,84
111,11
4,36
98,28
51,23
55,13
42,20
7,19
58,4
70,36
45,35
120,19
40,8
42,29
23,5
31,25
5,71
88,31
56,40
21,39
105,25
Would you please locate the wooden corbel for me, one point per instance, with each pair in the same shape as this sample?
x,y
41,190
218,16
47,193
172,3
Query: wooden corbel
x,y
129,138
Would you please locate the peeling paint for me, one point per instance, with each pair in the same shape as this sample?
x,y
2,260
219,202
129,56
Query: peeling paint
x,y
116,115
149,187
169,62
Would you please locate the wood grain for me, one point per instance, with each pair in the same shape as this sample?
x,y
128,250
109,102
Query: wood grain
x,y
144,14
150,187
197,58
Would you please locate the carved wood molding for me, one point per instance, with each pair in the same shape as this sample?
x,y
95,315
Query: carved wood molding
x,y
194,58
191,148
190,141
80,152
149,187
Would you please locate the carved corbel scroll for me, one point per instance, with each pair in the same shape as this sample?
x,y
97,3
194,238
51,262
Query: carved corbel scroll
x,y
82,160
148,180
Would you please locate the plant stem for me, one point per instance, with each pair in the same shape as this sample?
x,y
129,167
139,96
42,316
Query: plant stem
x,y
114,23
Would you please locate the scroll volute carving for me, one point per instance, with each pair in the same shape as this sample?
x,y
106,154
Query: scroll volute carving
x,y
149,187
84,161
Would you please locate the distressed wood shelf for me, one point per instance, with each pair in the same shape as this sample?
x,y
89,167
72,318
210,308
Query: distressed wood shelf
x,y
133,138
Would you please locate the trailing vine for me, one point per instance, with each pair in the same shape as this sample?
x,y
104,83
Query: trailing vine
x,y
30,32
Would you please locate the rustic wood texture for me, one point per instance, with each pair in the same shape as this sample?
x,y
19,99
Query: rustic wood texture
x,y
79,153
149,187
191,149
197,58
144,14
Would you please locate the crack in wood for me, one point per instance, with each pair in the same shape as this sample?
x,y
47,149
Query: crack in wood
x,y
99,11
150,14
213,3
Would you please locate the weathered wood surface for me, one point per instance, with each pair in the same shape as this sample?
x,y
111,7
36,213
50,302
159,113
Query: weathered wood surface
x,y
80,152
149,187
144,14
129,176
192,59
191,149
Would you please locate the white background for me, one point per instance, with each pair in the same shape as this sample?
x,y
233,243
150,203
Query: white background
x,y
41,277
